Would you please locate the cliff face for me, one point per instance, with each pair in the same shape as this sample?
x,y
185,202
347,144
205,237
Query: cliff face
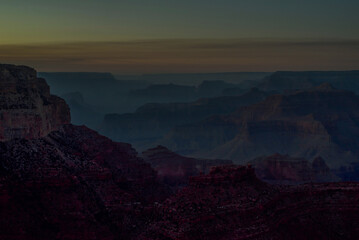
x,y
231,203
27,109
174,169
59,181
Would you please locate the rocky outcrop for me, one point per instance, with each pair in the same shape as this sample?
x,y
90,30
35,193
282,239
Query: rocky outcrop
x,y
27,109
231,203
59,181
74,184
174,169
283,169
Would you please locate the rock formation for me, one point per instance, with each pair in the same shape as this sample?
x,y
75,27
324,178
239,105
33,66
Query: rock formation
x,y
59,181
68,182
289,81
74,184
27,109
174,169
152,121
283,169
322,121
231,203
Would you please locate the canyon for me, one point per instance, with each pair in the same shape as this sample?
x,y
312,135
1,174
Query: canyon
x,y
321,121
61,181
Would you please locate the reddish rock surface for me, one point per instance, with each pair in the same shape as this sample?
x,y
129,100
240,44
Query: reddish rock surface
x,y
59,181
74,184
174,169
27,109
231,203
284,169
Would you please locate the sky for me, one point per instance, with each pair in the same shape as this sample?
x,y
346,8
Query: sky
x,y
144,36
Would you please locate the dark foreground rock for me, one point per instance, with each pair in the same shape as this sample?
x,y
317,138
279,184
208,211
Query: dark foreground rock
x,y
283,169
74,184
174,169
231,203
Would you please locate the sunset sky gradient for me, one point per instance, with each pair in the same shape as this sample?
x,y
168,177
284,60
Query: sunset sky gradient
x,y
142,36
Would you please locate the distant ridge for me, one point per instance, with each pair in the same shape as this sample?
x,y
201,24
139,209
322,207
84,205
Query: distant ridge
x,y
321,121
197,78
294,80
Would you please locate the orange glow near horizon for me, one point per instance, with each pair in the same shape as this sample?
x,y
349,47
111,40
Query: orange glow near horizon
x,y
185,56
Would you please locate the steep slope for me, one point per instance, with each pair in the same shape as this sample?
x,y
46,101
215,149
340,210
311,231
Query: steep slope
x,y
27,109
59,181
319,122
74,184
231,203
